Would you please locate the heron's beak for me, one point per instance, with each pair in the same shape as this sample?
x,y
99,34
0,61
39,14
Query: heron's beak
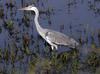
x,y
25,8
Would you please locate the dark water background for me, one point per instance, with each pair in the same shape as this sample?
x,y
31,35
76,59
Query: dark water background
x,y
23,51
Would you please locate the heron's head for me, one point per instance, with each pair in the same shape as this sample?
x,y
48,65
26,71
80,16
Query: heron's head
x,y
30,8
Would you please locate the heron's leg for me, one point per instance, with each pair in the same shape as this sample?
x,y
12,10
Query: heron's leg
x,y
56,47
53,46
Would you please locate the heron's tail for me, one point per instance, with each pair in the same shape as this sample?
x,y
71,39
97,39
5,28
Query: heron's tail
x,y
73,43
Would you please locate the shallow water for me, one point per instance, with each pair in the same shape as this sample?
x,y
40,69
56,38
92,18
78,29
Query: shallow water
x,y
23,51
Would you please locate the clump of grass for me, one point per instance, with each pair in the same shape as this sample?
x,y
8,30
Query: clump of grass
x,y
75,66
9,24
74,61
64,57
93,61
12,56
6,55
46,65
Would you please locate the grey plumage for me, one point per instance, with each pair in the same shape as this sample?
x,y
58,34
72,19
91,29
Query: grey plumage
x,y
54,38
61,39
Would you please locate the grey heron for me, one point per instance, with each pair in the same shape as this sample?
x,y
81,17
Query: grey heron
x,y
54,38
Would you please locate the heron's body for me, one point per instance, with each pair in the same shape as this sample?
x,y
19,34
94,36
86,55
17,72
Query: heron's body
x,y
54,38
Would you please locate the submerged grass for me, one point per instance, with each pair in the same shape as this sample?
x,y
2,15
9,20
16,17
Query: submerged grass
x,y
65,62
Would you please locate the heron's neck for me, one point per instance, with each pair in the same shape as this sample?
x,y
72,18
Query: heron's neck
x,y
38,27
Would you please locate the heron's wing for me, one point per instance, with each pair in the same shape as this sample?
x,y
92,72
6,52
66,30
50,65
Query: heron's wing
x,y
60,39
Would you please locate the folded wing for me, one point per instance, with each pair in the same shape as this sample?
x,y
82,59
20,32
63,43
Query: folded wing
x,y
61,39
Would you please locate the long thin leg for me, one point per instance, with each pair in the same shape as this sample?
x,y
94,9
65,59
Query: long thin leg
x,y
53,46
